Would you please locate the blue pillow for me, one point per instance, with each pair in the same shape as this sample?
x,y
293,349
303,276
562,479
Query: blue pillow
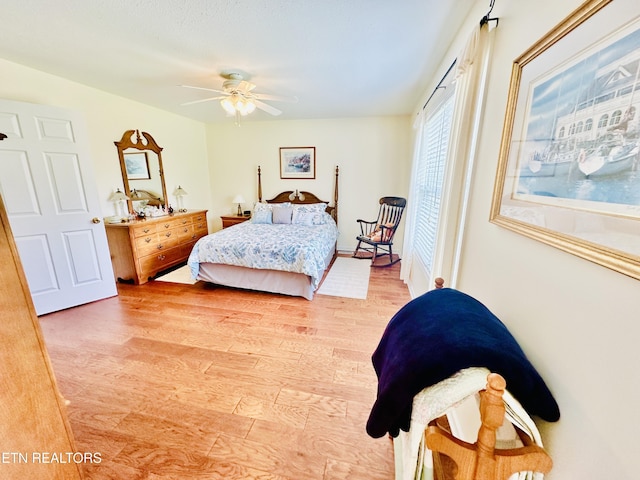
x,y
261,216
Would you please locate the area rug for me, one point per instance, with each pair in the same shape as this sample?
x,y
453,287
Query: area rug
x,y
180,275
348,277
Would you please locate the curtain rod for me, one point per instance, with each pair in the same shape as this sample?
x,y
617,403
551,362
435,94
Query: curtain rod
x,y
439,84
487,18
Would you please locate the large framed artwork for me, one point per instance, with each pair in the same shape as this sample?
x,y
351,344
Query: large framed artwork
x,y
298,162
569,166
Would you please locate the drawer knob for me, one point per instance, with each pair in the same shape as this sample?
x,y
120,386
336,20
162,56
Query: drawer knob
x,y
161,257
168,234
185,230
159,247
148,239
146,230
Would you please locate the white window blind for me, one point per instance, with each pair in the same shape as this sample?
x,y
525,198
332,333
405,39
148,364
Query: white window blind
x,y
432,160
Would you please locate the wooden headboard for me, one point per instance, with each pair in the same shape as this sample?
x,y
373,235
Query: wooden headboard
x,y
302,197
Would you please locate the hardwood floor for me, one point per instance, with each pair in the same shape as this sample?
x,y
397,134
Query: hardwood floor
x,y
171,381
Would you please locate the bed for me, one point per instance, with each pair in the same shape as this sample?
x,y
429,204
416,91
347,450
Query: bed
x,y
285,248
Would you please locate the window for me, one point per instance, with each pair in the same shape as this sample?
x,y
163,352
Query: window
x,y
604,119
615,117
430,172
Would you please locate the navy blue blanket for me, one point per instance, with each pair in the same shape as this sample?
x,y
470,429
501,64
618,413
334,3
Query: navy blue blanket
x,y
433,337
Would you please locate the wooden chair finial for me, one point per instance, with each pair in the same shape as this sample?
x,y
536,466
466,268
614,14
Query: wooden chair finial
x,y
482,461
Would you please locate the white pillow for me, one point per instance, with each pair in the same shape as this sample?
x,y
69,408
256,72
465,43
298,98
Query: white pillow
x,y
269,206
309,218
282,215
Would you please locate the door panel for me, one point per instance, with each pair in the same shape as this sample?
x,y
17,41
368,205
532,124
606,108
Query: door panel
x,y
48,185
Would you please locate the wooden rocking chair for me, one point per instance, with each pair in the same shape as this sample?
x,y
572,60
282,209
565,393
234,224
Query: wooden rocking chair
x,y
379,234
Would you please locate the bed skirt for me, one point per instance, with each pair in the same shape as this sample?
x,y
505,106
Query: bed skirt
x,y
272,281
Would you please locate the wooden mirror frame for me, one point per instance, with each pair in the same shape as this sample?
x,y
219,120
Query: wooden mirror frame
x,y
142,145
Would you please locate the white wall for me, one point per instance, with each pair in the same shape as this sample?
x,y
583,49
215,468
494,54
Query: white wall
x,y
577,321
373,155
108,116
216,162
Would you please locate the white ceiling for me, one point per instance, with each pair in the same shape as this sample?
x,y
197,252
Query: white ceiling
x,y
340,58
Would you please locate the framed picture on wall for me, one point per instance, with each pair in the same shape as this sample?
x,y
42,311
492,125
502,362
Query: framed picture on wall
x,y
569,166
137,165
298,162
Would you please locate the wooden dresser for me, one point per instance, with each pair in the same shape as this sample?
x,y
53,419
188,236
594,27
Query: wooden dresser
x,y
142,248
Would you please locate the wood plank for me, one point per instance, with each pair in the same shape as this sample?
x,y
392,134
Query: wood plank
x,y
192,381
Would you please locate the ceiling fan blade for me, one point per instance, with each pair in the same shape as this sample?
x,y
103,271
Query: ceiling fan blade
x,y
275,98
267,108
201,101
206,89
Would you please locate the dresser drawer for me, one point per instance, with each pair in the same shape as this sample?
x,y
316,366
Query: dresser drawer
x,y
200,228
146,229
146,244
199,218
169,238
171,223
156,262
185,233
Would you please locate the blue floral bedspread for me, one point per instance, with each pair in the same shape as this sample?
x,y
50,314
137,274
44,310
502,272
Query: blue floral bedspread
x,y
289,248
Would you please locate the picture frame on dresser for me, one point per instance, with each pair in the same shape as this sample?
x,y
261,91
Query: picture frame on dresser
x,y
569,164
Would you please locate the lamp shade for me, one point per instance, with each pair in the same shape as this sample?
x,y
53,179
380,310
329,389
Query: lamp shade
x,y
238,199
118,196
180,192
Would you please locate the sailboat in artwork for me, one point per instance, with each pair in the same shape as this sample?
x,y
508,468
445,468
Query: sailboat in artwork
x,y
601,135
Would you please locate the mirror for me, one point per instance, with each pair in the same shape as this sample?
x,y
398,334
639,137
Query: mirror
x,y
142,174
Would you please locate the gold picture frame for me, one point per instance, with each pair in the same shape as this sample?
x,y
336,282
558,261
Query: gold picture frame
x,y
569,166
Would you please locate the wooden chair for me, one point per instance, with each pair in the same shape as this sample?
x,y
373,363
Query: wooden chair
x,y
378,234
481,460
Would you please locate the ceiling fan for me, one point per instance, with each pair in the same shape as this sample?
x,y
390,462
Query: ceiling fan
x,y
238,98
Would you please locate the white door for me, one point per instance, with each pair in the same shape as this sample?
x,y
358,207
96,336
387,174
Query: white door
x,y
48,186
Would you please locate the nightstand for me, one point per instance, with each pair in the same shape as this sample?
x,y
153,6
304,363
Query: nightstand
x,y
228,220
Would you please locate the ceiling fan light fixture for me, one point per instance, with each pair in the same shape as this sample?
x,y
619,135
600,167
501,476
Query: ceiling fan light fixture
x,y
250,106
238,104
227,104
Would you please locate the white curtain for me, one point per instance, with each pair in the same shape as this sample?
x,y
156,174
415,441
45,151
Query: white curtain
x,y
470,79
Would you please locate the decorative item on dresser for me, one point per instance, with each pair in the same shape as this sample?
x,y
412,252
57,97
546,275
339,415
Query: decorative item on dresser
x,y
229,220
143,248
